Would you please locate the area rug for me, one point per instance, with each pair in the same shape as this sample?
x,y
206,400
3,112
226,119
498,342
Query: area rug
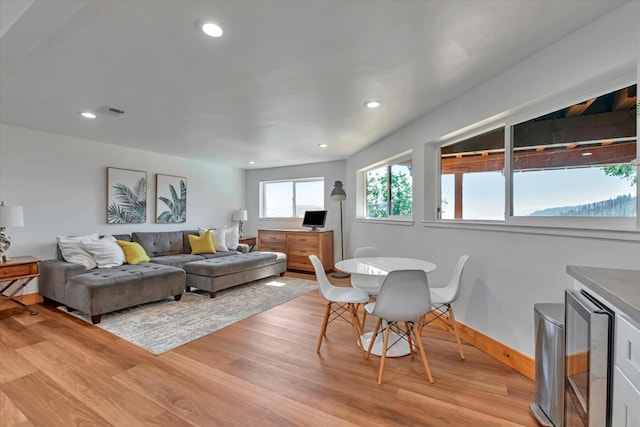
x,y
164,325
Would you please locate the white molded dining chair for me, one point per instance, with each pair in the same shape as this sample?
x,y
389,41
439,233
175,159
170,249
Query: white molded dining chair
x,y
344,299
371,284
443,297
403,298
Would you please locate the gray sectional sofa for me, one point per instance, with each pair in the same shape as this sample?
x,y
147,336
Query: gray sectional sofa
x,y
172,269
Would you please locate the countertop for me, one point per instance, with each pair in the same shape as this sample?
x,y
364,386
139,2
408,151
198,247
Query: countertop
x,y
620,287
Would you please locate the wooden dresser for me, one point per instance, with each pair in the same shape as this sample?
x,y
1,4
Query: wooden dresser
x,y
298,245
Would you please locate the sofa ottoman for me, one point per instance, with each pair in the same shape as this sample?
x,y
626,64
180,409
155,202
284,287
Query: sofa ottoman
x,y
215,274
101,291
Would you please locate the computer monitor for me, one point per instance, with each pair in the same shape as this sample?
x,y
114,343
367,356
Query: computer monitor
x,y
314,219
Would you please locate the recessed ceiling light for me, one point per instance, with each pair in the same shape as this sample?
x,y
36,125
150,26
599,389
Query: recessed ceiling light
x,y
88,115
211,29
372,104
251,162
587,154
322,145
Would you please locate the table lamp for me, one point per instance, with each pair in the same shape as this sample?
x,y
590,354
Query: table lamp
x,y
10,216
239,215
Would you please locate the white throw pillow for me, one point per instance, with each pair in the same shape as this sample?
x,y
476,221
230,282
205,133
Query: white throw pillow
x,y
217,236
106,252
73,251
232,237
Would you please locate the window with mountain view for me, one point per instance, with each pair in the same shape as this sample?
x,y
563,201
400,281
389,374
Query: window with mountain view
x,y
576,161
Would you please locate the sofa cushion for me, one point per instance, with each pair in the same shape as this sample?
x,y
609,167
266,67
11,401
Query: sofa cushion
x,y
213,267
218,236
220,254
232,237
185,240
178,260
160,243
134,253
202,244
73,250
106,252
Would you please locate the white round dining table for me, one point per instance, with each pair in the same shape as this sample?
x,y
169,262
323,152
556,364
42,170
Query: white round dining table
x,y
380,267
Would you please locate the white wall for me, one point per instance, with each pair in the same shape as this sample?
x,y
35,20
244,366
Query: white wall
x,y
61,184
508,270
331,171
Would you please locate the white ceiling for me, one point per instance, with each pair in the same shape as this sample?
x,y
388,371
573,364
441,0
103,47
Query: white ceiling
x,y
285,77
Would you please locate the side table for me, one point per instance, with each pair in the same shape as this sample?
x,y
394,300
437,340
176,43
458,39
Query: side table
x,y
18,271
251,241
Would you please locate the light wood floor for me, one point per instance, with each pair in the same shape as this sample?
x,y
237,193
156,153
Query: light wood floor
x,y
56,370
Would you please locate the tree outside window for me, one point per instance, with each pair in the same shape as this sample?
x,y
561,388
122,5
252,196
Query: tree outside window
x,y
389,190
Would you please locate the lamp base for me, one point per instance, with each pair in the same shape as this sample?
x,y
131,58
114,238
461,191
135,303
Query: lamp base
x,y
340,275
5,243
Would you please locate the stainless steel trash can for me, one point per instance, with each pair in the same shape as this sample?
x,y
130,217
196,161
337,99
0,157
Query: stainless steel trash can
x,y
549,332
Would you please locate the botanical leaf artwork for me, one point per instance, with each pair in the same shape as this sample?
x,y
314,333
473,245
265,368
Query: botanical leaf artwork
x,y
127,196
171,209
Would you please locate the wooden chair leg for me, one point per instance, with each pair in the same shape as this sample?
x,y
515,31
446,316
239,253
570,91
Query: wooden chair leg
x,y
421,323
384,352
372,298
325,322
364,317
452,318
356,324
407,329
373,337
424,358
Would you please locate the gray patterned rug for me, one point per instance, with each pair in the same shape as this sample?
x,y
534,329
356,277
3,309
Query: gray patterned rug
x,y
164,325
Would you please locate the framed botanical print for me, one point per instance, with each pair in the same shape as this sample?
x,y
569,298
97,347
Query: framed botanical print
x,y
171,199
126,196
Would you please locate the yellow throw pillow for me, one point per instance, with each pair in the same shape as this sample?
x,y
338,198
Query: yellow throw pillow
x,y
133,252
202,244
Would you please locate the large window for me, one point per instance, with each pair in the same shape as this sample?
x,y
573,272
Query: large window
x,y
472,180
388,189
574,162
289,199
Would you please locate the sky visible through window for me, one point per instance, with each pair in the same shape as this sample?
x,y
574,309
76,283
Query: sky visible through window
x,y
280,197
483,193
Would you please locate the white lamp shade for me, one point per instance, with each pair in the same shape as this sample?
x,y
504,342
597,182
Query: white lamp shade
x,y
239,215
11,216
